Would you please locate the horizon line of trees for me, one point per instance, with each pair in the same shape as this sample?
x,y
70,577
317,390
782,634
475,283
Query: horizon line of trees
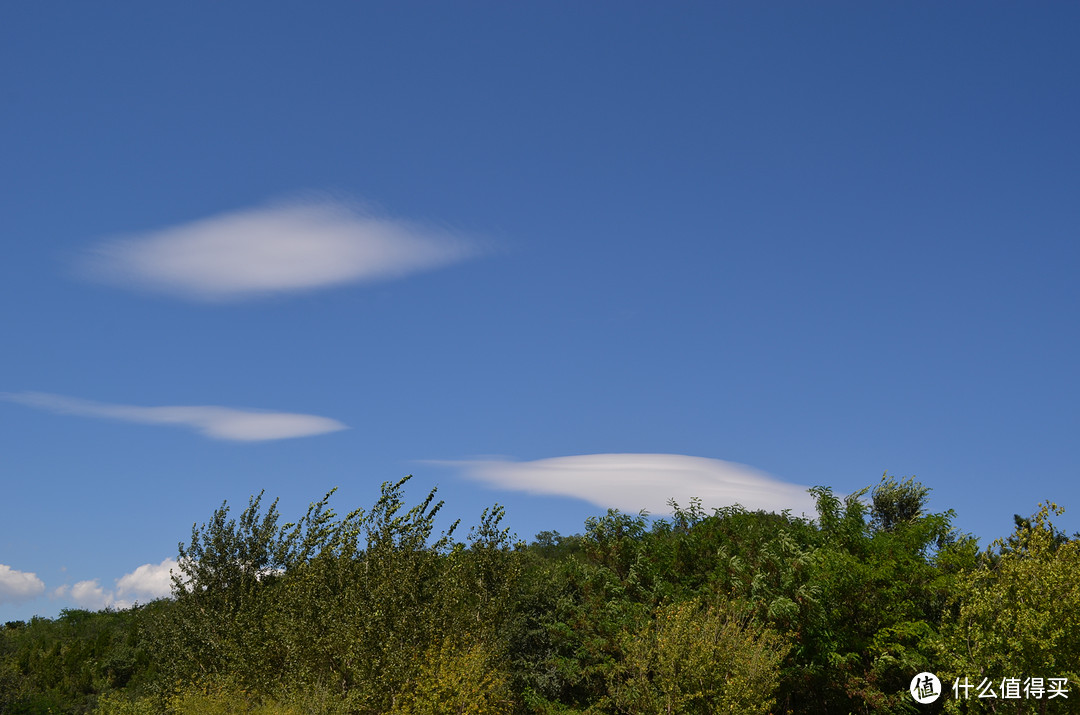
x,y
729,611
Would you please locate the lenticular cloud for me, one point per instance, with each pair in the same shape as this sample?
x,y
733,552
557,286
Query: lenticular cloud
x,y
228,423
632,482
276,249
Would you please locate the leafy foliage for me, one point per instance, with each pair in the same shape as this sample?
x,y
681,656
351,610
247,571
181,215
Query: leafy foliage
x,y
1018,611
729,611
695,659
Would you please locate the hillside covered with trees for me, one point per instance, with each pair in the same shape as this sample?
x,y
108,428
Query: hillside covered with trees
x,y
729,611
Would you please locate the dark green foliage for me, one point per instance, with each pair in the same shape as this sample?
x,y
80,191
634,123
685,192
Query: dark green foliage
x,y
728,611
61,665
897,503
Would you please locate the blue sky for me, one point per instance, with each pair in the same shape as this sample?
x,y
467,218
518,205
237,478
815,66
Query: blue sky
x,y
560,256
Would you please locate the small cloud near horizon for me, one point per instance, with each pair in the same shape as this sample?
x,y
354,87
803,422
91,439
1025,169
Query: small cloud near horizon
x,y
273,249
223,423
148,580
632,482
146,583
17,586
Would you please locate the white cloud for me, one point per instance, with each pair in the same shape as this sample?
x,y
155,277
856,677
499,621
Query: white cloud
x,y
274,249
149,581
631,482
18,586
90,594
146,583
226,423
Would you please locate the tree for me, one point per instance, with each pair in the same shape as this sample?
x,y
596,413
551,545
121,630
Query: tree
x,y
1018,612
895,503
693,658
459,676
879,571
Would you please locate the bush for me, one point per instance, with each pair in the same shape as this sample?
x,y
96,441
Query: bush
x,y
696,659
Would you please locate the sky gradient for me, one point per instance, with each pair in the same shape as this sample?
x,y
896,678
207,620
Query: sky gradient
x,y
562,257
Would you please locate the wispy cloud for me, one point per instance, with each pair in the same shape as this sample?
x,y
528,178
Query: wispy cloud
x,y
273,249
228,423
18,586
631,482
146,583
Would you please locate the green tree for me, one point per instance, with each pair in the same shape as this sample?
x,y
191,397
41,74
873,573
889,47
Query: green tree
x,y
895,503
1018,614
459,676
884,592
698,659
